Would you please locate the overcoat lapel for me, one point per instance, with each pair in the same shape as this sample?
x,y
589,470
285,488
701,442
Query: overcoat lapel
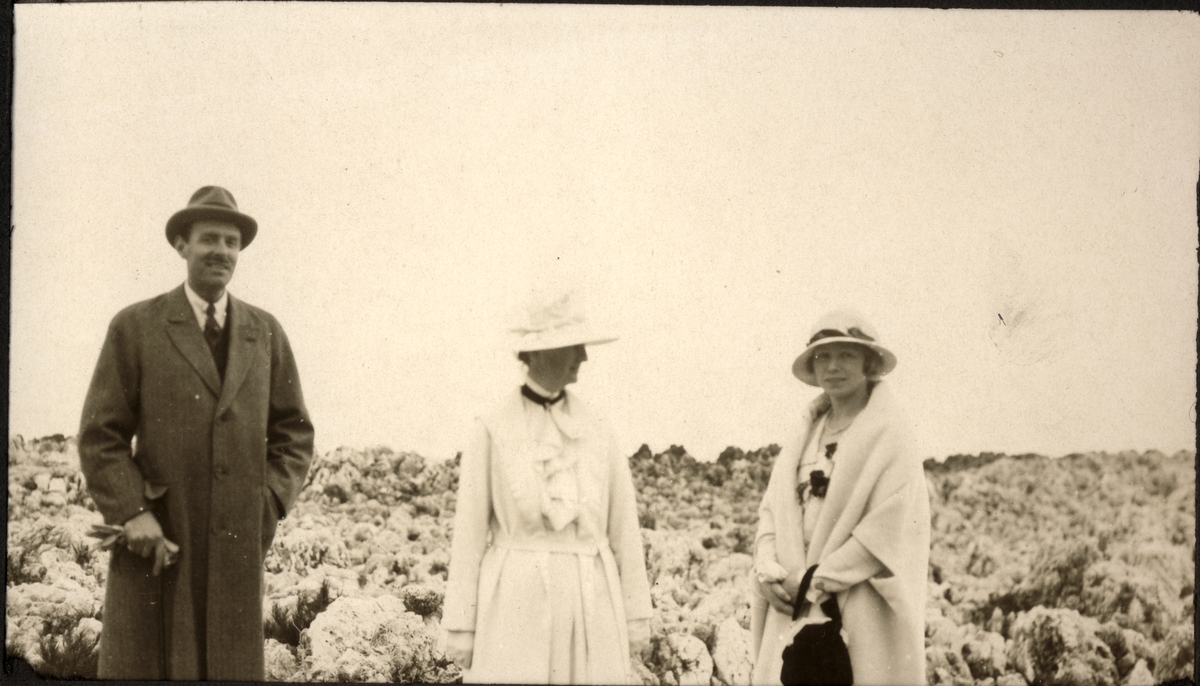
x,y
243,348
188,339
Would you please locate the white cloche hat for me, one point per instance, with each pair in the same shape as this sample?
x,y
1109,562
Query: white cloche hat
x,y
552,322
841,326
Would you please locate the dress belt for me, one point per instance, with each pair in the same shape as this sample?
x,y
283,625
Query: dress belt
x,y
550,545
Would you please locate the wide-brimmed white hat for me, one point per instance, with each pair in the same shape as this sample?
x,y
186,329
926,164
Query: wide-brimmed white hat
x,y
558,321
841,326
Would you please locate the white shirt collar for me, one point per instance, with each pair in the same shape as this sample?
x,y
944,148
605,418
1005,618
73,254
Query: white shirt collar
x,y
200,306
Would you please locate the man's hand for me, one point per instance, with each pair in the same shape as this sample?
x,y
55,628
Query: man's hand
x,y
143,534
165,554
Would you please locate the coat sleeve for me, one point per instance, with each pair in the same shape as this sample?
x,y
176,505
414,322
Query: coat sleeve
x,y
110,420
764,540
895,532
289,430
850,564
472,516
895,528
625,537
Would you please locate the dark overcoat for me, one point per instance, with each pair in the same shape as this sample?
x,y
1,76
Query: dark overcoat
x,y
215,460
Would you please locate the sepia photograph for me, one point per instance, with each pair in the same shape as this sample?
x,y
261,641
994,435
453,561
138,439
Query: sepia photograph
x,y
493,343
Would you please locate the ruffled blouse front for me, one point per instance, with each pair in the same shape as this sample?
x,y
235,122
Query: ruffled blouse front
x,y
559,498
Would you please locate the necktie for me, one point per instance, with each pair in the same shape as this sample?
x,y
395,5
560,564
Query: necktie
x,y
212,332
544,402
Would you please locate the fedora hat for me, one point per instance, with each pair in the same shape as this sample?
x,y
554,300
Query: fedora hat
x,y
211,203
555,322
841,326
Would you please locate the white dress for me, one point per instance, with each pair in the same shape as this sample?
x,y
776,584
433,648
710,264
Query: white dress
x,y
546,562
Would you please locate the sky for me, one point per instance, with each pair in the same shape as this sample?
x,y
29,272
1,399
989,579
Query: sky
x,y
1009,197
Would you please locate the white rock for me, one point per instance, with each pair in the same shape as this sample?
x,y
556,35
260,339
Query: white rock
x,y
279,584
1140,675
731,653
643,673
367,639
730,568
353,666
280,663
722,603
21,636
670,553
693,654
67,574
42,480
57,485
986,654
89,627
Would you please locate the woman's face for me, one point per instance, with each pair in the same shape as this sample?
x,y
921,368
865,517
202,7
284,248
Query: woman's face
x,y
555,368
839,368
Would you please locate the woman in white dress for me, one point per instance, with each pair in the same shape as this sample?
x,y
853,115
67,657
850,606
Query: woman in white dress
x,y
547,578
849,496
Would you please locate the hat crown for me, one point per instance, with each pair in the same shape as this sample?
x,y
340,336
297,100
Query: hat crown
x,y
841,326
843,323
543,315
213,196
553,321
211,203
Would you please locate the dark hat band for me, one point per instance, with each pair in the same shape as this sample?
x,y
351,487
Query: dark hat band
x,y
215,204
853,332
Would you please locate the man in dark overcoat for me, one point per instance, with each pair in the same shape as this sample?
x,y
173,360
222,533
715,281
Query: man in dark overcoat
x,y
194,431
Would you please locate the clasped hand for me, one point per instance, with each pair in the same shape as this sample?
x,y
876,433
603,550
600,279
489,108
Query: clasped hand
x,y
144,536
780,587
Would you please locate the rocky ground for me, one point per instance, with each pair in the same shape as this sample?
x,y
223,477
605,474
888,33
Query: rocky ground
x,y
1070,571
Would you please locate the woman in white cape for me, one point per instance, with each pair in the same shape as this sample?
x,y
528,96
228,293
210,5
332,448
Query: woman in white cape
x,y
849,496
547,578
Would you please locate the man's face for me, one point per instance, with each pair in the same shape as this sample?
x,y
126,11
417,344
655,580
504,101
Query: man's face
x,y
211,251
553,369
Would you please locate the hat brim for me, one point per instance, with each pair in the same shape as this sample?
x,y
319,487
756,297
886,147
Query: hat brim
x,y
190,215
561,338
800,365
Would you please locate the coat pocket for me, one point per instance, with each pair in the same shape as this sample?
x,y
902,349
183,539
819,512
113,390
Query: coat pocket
x,y
270,519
